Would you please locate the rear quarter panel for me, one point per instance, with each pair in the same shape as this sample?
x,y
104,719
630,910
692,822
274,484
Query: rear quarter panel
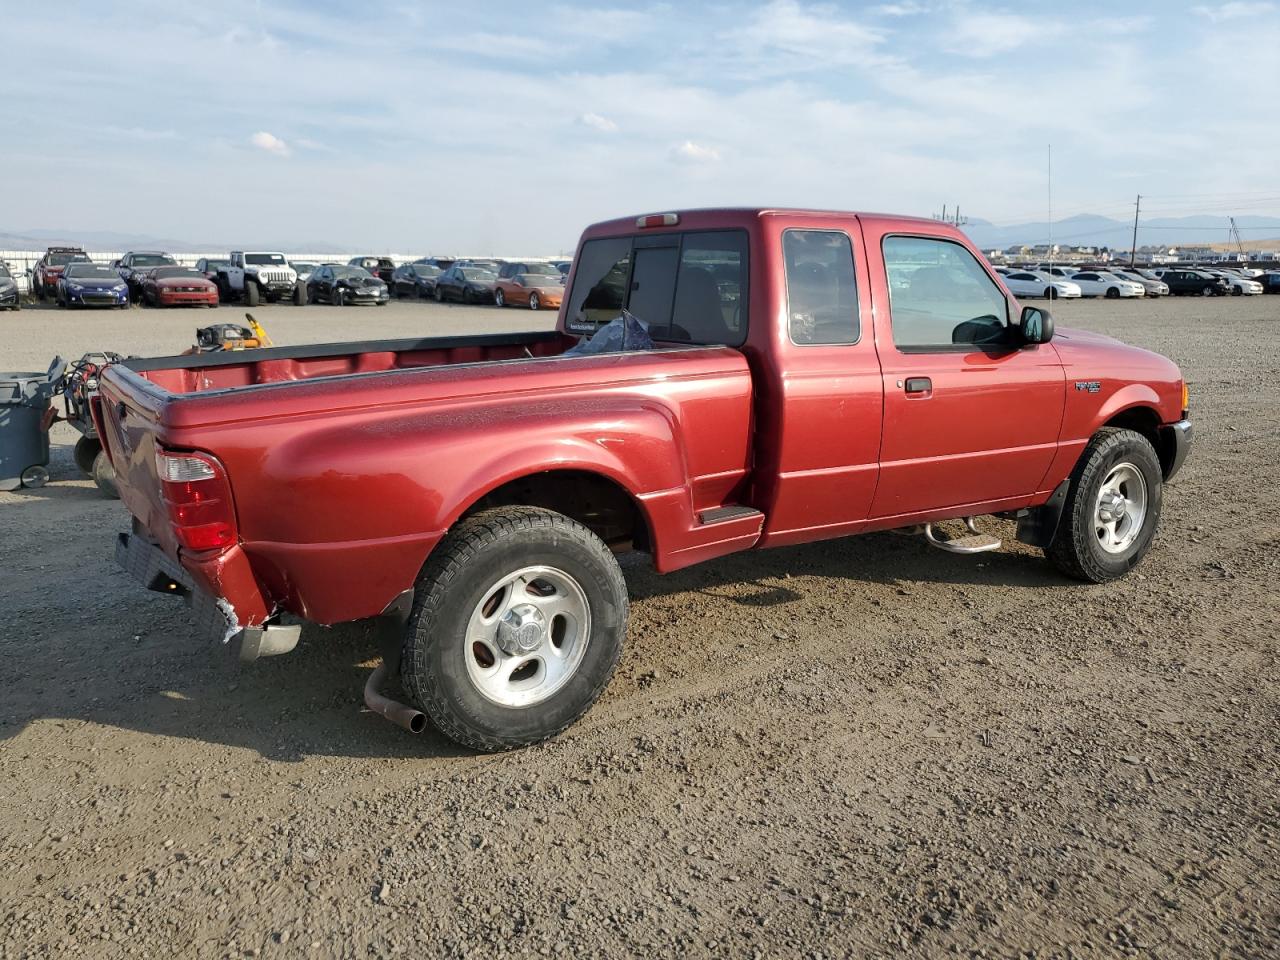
x,y
344,485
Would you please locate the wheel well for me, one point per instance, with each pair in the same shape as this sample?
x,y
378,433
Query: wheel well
x,y
598,503
1146,421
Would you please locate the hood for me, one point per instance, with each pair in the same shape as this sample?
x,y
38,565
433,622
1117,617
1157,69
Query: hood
x,y
185,282
1085,351
94,283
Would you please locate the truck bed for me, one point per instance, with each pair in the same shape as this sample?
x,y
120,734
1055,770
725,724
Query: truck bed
x,y
347,463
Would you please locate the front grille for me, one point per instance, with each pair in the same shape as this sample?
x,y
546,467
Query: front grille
x,y
273,276
98,298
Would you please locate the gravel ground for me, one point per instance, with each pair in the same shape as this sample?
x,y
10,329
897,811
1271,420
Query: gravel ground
x,y
862,747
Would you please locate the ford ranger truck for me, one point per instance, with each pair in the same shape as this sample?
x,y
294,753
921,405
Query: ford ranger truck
x,y
810,375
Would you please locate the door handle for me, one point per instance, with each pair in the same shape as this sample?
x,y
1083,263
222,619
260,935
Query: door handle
x,y
919,385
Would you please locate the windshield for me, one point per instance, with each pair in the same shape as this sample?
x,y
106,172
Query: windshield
x,y
83,271
303,266
543,269
62,259
263,259
476,275
427,270
152,260
166,273
350,273
4,272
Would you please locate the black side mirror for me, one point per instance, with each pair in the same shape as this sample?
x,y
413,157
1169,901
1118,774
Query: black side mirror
x,y
1037,325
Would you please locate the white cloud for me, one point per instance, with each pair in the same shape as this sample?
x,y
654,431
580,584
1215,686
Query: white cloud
x,y
1235,10
786,36
908,9
597,122
270,143
985,33
690,152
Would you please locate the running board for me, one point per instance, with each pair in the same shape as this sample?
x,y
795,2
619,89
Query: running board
x,y
976,542
725,514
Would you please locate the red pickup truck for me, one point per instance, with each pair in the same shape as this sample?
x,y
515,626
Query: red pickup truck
x,y
805,375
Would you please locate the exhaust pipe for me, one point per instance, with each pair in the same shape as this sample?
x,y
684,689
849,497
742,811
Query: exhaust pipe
x,y
401,714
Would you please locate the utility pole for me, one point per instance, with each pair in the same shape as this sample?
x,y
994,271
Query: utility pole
x,y
1235,235
1133,251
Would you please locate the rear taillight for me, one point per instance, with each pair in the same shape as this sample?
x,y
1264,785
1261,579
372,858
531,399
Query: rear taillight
x,y
196,493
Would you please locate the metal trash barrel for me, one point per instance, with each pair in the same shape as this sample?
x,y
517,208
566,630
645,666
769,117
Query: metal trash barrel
x,y
24,443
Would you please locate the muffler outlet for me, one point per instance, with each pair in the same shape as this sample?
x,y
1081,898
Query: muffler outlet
x,y
401,714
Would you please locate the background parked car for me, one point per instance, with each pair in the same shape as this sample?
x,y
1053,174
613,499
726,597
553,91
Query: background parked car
x,y
303,269
210,266
340,285
45,274
1270,281
9,299
133,266
444,263
380,267
1195,282
1153,286
1099,283
493,266
466,285
532,285
91,285
178,286
1031,283
1237,285
415,280
563,266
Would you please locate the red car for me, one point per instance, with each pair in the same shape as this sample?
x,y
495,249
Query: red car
x,y
45,274
178,287
778,377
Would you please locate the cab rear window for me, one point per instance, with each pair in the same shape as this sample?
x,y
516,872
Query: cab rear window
x,y
687,287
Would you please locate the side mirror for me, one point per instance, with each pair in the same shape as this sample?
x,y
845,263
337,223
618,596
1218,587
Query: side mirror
x,y
1037,325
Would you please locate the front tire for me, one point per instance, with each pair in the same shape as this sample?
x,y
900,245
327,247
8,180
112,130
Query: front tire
x,y
252,296
535,302
1113,293
439,295
1050,293
299,295
517,626
1112,510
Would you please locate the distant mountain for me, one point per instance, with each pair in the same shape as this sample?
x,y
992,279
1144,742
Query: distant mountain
x,y
1095,231
110,240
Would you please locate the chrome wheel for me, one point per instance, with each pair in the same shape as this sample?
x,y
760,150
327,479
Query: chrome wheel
x,y
534,301
499,298
1121,508
527,635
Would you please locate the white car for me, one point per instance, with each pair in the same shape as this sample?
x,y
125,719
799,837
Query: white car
x,y
1153,287
1031,283
1056,270
1240,286
1099,283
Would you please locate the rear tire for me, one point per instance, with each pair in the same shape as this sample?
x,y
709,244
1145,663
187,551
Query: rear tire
x,y
85,452
499,298
338,298
1077,549
451,665
439,295
104,475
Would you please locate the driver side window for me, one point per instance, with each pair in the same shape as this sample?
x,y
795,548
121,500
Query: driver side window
x,y
940,297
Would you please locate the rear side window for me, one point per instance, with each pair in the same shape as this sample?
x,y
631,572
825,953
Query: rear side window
x,y
600,286
689,287
822,293
940,297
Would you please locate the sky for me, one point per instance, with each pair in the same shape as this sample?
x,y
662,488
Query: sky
x,y
507,127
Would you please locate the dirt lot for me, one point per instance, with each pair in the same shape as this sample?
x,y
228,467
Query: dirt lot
x,y
865,747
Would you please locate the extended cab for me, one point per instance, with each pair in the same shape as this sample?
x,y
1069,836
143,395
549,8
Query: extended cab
x,y
255,277
797,376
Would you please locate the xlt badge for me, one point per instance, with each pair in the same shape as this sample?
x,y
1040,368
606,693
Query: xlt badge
x,y
1089,386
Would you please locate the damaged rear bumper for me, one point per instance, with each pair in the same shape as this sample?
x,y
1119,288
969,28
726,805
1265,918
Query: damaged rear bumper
x,y
220,619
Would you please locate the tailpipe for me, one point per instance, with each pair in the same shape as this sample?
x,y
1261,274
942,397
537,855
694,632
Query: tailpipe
x,y
401,714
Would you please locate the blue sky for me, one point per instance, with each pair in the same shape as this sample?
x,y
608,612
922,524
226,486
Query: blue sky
x,y
506,127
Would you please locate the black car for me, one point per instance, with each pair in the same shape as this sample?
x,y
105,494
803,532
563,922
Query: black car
x,y
415,280
466,285
380,267
344,284
1270,281
8,289
135,265
1183,282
